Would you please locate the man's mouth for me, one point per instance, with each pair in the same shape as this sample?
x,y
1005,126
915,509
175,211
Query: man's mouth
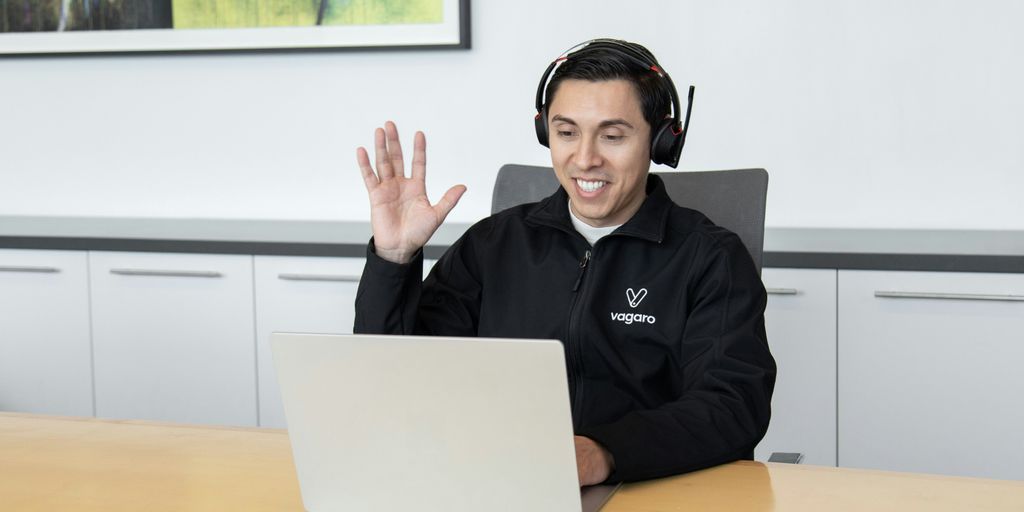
x,y
590,186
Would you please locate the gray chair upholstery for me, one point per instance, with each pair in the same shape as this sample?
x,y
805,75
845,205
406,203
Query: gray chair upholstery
x,y
733,199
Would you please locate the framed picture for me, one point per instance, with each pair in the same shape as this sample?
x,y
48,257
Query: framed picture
x,y
33,27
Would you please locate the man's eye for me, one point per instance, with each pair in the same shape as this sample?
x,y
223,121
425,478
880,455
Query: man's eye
x,y
566,133
614,138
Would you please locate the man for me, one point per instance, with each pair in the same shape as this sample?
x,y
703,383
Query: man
x,y
659,310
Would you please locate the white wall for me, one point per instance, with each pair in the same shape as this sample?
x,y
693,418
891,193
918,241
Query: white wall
x,y
867,113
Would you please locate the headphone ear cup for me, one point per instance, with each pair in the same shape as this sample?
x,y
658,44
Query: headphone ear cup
x,y
664,143
540,123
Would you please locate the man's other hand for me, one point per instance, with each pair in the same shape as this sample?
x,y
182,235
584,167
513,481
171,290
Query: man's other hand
x,y
593,462
400,213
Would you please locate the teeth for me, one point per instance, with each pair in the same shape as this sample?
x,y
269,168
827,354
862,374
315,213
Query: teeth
x,y
590,186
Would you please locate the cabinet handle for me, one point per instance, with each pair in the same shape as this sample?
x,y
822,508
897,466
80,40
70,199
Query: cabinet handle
x,y
782,291
319,277
38,270
165,273
947,296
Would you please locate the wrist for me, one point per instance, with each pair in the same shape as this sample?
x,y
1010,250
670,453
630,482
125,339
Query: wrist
x,y
399,256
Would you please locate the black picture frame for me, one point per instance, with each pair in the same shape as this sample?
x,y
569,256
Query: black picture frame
x,y
452,33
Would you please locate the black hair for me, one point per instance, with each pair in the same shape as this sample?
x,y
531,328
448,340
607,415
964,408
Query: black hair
x,y
601,64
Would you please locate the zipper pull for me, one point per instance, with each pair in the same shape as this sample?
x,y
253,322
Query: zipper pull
x,y
583,268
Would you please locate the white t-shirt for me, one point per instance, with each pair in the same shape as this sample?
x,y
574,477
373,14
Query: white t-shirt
x,y
589,232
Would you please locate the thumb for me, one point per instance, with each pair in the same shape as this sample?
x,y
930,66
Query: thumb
x,y
445,205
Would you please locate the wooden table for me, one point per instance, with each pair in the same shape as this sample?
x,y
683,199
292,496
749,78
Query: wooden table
x,y
51,463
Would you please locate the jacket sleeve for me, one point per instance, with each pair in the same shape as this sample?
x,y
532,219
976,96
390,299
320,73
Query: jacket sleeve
x,y
393,299
724,406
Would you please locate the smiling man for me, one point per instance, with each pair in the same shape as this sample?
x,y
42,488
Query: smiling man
x,y
660,311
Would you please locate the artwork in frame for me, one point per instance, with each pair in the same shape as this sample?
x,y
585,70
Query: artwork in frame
x,y
33,27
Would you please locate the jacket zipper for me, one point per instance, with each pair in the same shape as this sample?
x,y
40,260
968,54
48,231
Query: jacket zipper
x,y
574,344
583,269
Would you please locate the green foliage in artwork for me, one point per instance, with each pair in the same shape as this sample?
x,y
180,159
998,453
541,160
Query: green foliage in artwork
x,y
382,12
75,15
302,13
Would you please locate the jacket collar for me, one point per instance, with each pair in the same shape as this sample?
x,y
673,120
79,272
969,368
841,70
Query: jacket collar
x,y
647,223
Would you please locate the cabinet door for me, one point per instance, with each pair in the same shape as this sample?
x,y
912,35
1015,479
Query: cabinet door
x,y
801,324
299,294
45,357
173,337
932,380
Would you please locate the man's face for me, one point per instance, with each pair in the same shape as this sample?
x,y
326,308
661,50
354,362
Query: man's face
x,y
600,149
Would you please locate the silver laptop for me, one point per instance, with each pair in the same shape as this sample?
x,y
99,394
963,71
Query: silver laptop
x,y
423,423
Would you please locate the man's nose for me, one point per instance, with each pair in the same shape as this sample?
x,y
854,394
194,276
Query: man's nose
x,y
588,154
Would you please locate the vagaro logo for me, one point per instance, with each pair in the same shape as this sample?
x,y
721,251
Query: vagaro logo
x,y
634,298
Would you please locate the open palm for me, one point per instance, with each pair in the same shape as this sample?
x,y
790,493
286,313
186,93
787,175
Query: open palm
x,y
402,218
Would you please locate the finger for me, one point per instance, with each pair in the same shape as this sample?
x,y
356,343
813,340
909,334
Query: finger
x,y
394,148
380,151
450,199
369,177
419,157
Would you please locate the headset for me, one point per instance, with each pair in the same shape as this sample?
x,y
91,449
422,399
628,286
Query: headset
x,y
669,136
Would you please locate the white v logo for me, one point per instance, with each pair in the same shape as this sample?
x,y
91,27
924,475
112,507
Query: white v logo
x,y
634,298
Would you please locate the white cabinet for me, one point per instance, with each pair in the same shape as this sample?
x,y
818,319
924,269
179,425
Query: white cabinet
x,y
935,383
801,324
173,337
45,359
299,294
916,371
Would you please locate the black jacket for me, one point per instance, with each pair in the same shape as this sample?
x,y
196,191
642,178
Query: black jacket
x,y
662,322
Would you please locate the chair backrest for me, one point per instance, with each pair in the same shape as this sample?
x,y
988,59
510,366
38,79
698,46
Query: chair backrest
x,y
732,199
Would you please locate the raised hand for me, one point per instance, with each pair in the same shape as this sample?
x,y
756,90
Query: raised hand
x,y
401,216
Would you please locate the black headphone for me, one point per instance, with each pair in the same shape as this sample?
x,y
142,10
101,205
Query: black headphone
x,y
669,136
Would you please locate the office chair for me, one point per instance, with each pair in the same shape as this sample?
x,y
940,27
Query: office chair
x,y
734,199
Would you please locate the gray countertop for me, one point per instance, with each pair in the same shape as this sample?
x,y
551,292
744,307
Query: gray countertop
x,y
220,230
895,249
882,249
895,241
